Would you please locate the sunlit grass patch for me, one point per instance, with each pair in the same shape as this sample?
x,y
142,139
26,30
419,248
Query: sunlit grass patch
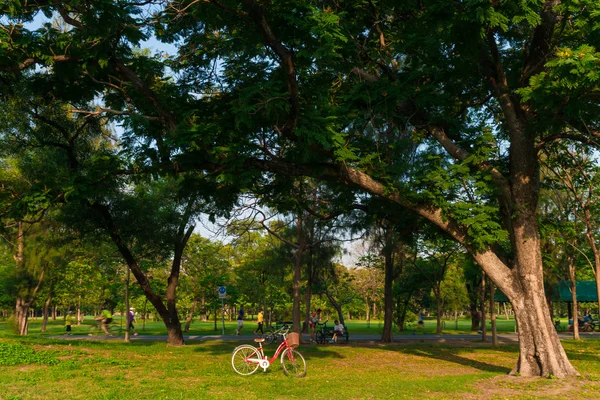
x,y
202,370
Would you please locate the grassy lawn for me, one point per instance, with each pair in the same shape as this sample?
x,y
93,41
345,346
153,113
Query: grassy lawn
x,y
38,367
375,327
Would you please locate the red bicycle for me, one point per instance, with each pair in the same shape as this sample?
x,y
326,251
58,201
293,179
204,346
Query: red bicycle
x,y
246,359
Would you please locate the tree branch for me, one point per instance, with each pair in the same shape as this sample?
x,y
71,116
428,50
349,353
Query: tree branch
x,y
286,57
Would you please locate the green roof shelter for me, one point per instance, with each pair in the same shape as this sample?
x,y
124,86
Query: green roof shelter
x,y
586,292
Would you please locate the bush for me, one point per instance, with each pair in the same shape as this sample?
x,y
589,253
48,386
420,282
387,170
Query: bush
x,y
15,354
11,325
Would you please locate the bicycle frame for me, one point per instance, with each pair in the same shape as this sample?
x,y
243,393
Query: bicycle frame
x,y
265,362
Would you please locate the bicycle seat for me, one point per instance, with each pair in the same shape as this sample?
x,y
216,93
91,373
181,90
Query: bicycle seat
x,y
259,340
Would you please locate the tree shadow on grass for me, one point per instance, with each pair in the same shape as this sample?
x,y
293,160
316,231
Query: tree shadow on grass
x,y
91,342
218,348
452,355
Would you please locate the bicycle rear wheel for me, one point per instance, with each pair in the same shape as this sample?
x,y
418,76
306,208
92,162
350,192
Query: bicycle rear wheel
x,y
239,359
270,336
320,337
293,364
114,330
94,330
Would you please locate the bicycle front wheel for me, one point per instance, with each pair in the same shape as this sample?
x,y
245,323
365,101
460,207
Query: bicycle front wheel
x,y
293,363
239,359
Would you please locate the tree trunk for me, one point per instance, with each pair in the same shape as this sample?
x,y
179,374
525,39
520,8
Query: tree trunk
x,y
438,303
190,317
22,316
222,311
297,277
45,311
574,299
79,316
144,314
482,301
368,311
540,350
127,324
337,306
475,318
167,312
310,272
401,312
388,306
307,297
493,315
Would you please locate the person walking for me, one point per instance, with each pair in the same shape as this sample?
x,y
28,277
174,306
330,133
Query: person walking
x,y
421,323
260,319
240,320
68,322
131,320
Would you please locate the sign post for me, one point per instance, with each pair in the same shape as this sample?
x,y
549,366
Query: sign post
x,y
222,295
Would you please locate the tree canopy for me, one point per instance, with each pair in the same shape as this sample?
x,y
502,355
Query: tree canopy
x,y
439,107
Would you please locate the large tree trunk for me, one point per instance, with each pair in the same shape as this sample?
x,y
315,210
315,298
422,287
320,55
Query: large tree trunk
x,y
540,350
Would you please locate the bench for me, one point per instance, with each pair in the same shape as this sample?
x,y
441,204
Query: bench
x,y
325,333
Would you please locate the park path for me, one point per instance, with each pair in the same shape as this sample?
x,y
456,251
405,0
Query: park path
x,y
359,338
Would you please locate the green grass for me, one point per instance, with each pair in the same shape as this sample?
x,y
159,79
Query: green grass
x,y
208,328
39,367
201,370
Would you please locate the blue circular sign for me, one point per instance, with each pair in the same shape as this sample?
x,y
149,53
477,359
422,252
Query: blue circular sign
x,y
222,290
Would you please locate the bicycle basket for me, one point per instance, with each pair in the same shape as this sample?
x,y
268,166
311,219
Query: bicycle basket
x,y
293,339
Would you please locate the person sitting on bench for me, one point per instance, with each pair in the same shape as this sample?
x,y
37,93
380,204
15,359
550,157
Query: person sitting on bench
x,y
338,329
